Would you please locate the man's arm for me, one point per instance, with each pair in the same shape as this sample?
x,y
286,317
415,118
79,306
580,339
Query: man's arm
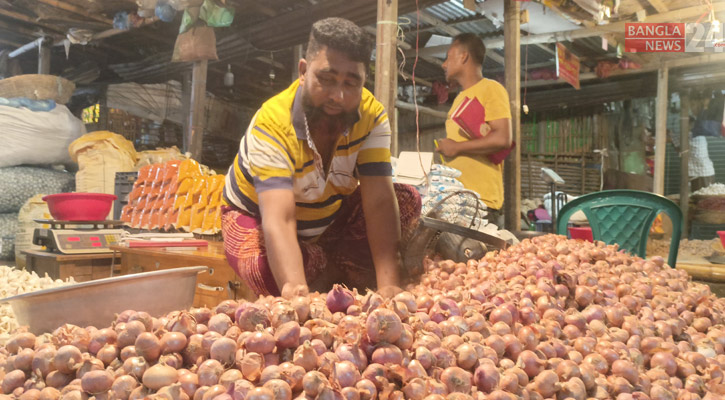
x,y
499,137
382,222
279,226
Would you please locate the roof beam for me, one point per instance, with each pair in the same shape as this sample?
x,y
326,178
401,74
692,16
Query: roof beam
x,y
270,12
76,10
659,5
426,17
474,18
26,18
10,43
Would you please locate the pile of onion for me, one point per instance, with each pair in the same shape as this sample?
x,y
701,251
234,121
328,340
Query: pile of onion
x,y
549,318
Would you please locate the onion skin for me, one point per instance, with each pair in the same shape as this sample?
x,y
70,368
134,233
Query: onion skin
x,y
456,380
383,326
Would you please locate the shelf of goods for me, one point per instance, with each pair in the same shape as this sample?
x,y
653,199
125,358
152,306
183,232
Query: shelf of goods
x,y
549,318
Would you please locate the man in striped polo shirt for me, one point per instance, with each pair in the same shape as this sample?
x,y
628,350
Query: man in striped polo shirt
x,y
310,199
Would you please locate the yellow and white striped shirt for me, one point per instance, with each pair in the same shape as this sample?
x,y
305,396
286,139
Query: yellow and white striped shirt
x,y
277,152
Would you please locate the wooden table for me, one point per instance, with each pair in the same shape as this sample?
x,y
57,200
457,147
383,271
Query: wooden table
x,y
219,284
700,268
82,267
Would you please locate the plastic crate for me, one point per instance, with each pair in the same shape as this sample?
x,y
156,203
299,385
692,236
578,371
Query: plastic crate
x,y
703,231
123,186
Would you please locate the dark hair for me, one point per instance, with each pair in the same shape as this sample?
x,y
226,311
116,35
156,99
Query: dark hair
x,y
473,45
341,35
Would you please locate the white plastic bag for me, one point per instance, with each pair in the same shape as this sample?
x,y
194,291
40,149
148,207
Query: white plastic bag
x,y
37,137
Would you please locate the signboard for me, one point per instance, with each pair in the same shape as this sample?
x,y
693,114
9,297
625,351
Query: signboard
x,y
567,65
688,37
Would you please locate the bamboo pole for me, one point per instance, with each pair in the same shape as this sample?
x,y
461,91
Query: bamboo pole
x,y
684,159
512,167
195,131
386,71
661,130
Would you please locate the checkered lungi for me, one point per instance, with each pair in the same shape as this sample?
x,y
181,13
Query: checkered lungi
x,y
343,245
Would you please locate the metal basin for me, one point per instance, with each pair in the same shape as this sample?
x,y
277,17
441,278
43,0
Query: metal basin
x,y
97,302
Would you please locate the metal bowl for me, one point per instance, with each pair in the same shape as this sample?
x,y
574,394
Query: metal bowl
x,y
97,302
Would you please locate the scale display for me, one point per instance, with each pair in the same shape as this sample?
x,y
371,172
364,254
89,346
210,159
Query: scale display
x,y
69,241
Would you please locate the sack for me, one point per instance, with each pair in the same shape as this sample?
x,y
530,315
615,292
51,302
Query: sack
x,y
37,137
18,184
34,208
197,44
216,15
99,156
8,226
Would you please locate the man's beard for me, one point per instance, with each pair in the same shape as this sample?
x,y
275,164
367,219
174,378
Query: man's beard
x,y
317,118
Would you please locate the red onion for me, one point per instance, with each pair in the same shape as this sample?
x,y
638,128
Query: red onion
x,y
339,299
486,378
249,315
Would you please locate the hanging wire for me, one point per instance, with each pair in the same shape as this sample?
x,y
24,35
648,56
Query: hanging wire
x,y
415,90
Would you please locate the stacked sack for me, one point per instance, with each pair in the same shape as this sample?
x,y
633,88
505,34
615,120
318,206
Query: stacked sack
x,y
446,197
17,185
177,195
33,209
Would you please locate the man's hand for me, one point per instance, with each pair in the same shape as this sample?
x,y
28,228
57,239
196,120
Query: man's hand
x,y
447,147
382,223
290,291
284,255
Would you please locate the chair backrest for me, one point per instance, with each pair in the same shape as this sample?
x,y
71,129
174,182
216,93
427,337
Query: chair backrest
x,y
624,217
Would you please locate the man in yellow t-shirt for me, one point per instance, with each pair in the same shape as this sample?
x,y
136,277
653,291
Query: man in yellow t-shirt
x,y
463,67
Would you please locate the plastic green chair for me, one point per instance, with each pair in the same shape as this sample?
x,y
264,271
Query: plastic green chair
x,y
624,217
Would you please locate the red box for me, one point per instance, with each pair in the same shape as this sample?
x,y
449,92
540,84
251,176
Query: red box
x,y
583,233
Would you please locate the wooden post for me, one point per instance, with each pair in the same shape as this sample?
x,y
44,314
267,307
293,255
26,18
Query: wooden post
x,y
186,108
386,68
684,159
197,120
512,166
663,99
297,54
44,58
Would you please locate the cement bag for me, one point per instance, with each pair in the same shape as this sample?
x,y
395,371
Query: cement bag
x,y
34,208
37,137
99,156
8,226
159,156
18,184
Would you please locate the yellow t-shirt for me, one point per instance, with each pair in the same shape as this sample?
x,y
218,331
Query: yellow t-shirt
x,y
477,172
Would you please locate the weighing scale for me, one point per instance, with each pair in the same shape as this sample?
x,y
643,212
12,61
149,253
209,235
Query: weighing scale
x,y
78,237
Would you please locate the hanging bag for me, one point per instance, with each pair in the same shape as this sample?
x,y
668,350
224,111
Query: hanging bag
x,y
196,44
